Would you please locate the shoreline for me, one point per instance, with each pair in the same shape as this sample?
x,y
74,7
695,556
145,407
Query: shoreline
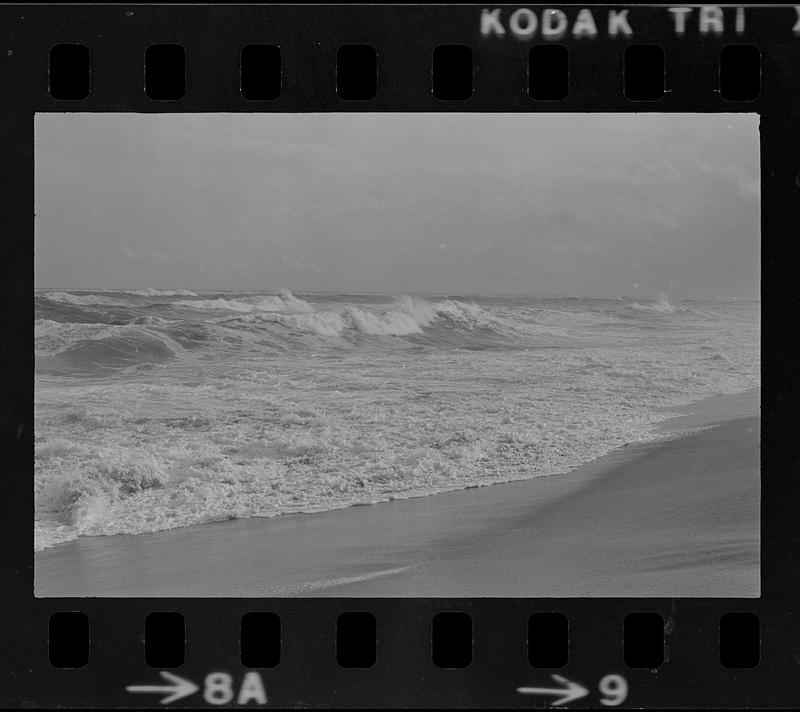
x,y
581,528
681,420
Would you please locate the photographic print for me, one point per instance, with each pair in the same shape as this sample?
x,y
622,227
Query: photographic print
x,y
397,354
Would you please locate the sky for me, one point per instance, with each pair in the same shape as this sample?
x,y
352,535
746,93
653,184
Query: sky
x,y
433,203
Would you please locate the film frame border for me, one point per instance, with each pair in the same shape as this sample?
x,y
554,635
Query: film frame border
x,y
403,674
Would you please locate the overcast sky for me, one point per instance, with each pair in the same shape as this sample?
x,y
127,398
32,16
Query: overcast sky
x,y
570,204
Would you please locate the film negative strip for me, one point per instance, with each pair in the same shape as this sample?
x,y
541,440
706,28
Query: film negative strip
x,y
399,356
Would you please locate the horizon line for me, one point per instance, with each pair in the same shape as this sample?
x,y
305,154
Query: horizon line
x,y
550,295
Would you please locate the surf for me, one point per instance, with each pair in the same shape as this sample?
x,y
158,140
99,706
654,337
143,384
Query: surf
x,y
173,410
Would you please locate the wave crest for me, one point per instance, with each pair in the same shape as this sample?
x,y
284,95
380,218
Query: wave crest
x,y
149,292
390,323
407,316
318,323
284,302
464,314
89,347
84,500
84,300
662,306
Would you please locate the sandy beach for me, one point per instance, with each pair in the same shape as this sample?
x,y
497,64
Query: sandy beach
x,y
677,517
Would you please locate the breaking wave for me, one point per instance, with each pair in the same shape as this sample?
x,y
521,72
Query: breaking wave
x,y
93,347
285,302
84,299
92,332
407,316
79,335
661,306
81,499
161,292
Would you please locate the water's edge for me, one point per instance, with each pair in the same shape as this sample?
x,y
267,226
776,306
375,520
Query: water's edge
x,y
678,422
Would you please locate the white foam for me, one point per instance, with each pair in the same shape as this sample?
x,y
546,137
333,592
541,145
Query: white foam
x,y
216,304
84,299
390,323
149,292
662,306
285,303
319,323
463,313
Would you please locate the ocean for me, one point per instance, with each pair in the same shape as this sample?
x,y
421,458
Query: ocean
x,y
157,409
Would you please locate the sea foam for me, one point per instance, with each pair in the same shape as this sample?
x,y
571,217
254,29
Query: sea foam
x,y
306,405
285,302
150,292
661,306
85,299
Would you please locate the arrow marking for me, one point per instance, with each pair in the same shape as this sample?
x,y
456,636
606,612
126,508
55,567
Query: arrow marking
x,y
569,692
178,689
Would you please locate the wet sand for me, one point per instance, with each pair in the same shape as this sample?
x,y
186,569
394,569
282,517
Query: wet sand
x,y
672,518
